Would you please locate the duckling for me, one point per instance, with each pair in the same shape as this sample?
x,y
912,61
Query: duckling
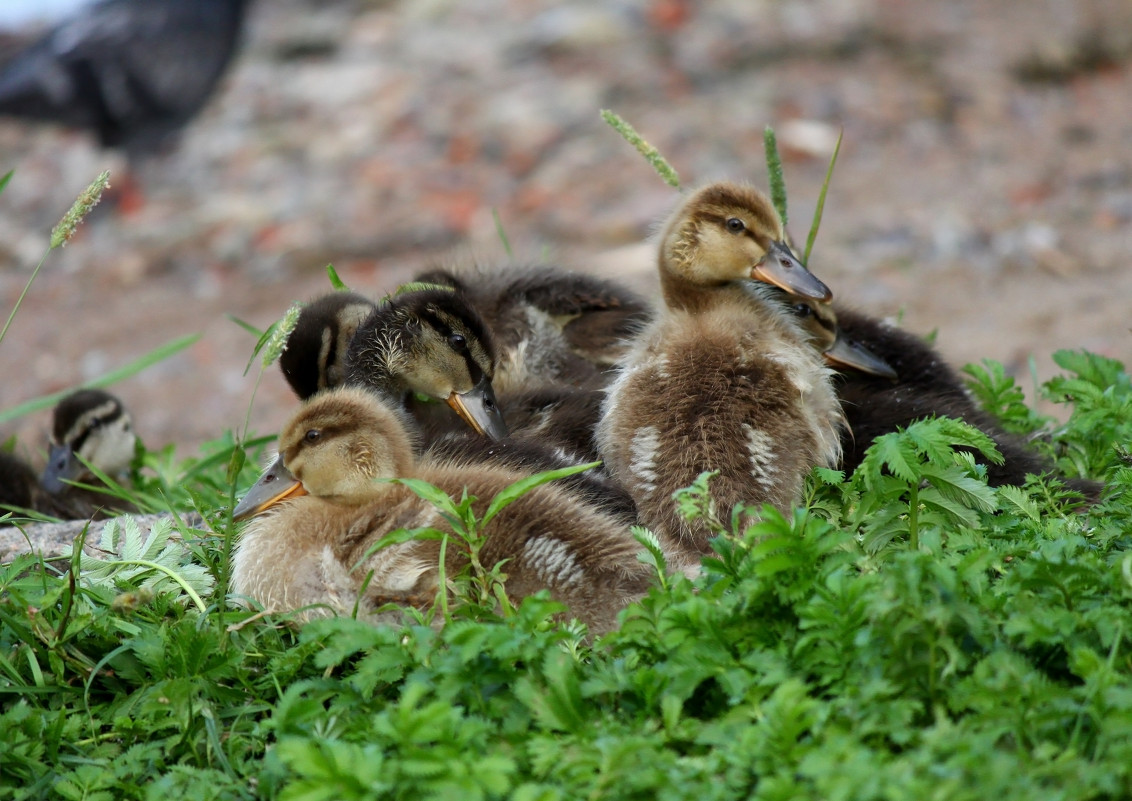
x,y
925,386
724,378
552,326
819,321
95,425
89,423
338,447
433,343
315,356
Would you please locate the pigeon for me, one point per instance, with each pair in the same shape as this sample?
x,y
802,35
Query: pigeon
x,y
134,72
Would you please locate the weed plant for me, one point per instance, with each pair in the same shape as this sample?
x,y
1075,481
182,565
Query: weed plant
x,y
913,634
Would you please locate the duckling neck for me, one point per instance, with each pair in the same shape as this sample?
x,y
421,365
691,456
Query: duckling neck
x,y
681,294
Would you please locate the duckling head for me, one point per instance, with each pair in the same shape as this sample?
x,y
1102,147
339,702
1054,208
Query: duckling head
x,y
335,447
315,357
726,232
94,425
819,323
434,343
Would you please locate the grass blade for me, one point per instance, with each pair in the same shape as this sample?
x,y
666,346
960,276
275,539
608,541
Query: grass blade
x,y
502,233
335,281
156,355
821,200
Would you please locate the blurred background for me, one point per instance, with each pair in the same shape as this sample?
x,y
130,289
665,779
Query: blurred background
x,y
983,191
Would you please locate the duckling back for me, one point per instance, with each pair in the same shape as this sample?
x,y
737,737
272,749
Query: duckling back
x,y
732,389
316,554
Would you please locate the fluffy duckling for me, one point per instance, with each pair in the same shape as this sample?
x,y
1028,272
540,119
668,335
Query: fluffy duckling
x,y
303,551
430,342
724,378
925,386
95,425
315,356
551,326
89,423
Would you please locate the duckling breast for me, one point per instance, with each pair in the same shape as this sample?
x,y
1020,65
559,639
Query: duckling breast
x,y
712,391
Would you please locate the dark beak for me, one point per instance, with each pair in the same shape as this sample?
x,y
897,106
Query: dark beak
x,y
847,353
782,268
479,409
61,464
273,486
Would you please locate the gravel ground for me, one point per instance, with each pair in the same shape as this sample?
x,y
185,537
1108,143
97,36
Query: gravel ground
x,y
984,187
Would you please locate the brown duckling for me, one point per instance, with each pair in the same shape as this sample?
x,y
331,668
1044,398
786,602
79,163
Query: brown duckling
x,y
315,356
551,326
724,378
925,386
303,551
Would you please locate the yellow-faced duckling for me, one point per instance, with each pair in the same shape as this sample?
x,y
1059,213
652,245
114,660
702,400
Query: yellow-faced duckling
x,y
924,386
315,356
724,378
304,550
551,326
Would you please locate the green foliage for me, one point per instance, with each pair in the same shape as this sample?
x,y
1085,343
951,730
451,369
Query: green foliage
x,y
911,633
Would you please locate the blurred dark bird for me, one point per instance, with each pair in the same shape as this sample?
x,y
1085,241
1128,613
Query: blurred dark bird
x,y
132,71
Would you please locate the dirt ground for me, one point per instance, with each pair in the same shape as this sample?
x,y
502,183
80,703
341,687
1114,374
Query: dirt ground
x,y
984,188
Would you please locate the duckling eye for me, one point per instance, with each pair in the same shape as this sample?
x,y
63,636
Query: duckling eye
x,y
802,310
457,342
314,435
735,225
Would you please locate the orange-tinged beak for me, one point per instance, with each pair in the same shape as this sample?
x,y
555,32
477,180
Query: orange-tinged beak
x,y
477,407
781,267
273,486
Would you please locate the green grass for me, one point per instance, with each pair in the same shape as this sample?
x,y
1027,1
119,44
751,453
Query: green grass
x,y
914,634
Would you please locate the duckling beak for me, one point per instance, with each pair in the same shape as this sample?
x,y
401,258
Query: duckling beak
x,y
781,267
847,353
274,485
478,408
61,464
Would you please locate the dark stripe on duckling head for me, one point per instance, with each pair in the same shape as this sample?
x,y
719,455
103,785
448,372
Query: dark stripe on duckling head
x,y
82,412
